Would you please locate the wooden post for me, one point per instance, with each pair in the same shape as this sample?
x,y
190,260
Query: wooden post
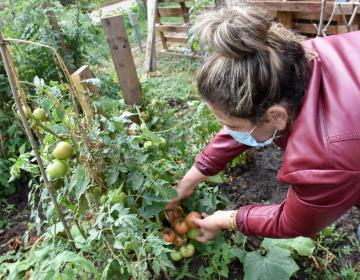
x,y
55,27
12,76
85,73
150,65
80,89
122,57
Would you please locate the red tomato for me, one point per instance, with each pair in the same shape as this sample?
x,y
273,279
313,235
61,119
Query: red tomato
x,y
174,214
168,235
181,227
180,240
189,217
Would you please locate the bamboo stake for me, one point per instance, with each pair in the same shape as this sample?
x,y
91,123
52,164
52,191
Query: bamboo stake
x,y
14,85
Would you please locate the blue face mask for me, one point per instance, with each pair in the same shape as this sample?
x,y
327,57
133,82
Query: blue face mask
x,y
247,139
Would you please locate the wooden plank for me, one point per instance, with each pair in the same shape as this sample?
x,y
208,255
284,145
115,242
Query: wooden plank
x,y
310,16
172,27
170,12
177,39
85,73
309,28
286,18
343,29
300,6
150,63
172,53
122,57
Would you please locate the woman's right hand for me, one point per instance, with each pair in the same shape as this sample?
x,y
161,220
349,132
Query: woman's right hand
x,y
186,186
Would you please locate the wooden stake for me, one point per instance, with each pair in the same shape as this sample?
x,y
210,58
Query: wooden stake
x,y
55,27
79,75
122,57
150,65
85,73
12,76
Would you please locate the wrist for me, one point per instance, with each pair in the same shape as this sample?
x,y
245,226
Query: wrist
x,y
225,219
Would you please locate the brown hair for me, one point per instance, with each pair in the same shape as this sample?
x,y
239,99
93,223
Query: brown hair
x,y
253,63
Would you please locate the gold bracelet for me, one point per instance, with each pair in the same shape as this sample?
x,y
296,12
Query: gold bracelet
x,y
232,221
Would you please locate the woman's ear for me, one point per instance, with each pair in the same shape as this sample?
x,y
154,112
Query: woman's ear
x,y
278,116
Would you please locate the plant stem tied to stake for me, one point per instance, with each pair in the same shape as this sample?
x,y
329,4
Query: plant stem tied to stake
x,y
11,72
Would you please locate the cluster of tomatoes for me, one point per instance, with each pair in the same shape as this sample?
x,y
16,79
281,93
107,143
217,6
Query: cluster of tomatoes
x,y
63,150
182,229
57,167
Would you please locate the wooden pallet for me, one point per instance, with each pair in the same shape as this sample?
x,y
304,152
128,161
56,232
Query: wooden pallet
x,y
172,32
304,16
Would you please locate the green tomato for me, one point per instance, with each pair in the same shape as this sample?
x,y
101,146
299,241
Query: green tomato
x,y
63,150
148,144
143,127
163,142
194,233
103,199
119,198
56,169
176,256
39,114
187,250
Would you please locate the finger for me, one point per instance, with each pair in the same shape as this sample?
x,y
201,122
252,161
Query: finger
x,y
197,221
202,239
204,215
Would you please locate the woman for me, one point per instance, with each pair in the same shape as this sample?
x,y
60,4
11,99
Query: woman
x,y
263,85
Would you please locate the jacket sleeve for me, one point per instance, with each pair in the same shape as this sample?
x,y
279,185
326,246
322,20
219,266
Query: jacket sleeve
x,y
306,210
221,149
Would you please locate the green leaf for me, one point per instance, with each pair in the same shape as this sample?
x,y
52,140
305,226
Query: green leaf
x,y
237,253
302,245
136,180
217,179
79,181
276,265
156,267
77,236
149,210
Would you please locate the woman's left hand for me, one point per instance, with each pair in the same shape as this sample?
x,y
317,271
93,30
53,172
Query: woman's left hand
x,y
210,225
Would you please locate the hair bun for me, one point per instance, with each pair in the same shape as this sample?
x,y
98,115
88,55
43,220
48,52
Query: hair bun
x,y
233,32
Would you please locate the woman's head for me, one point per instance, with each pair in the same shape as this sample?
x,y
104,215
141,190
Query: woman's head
x,y
253,64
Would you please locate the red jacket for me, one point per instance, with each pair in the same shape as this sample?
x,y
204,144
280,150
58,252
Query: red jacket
x,y
321,154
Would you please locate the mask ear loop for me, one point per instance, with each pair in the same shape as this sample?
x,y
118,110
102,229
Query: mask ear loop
x,y
251,131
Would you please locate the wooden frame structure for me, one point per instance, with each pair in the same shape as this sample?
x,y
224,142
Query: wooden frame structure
x,y
314,18
172,32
